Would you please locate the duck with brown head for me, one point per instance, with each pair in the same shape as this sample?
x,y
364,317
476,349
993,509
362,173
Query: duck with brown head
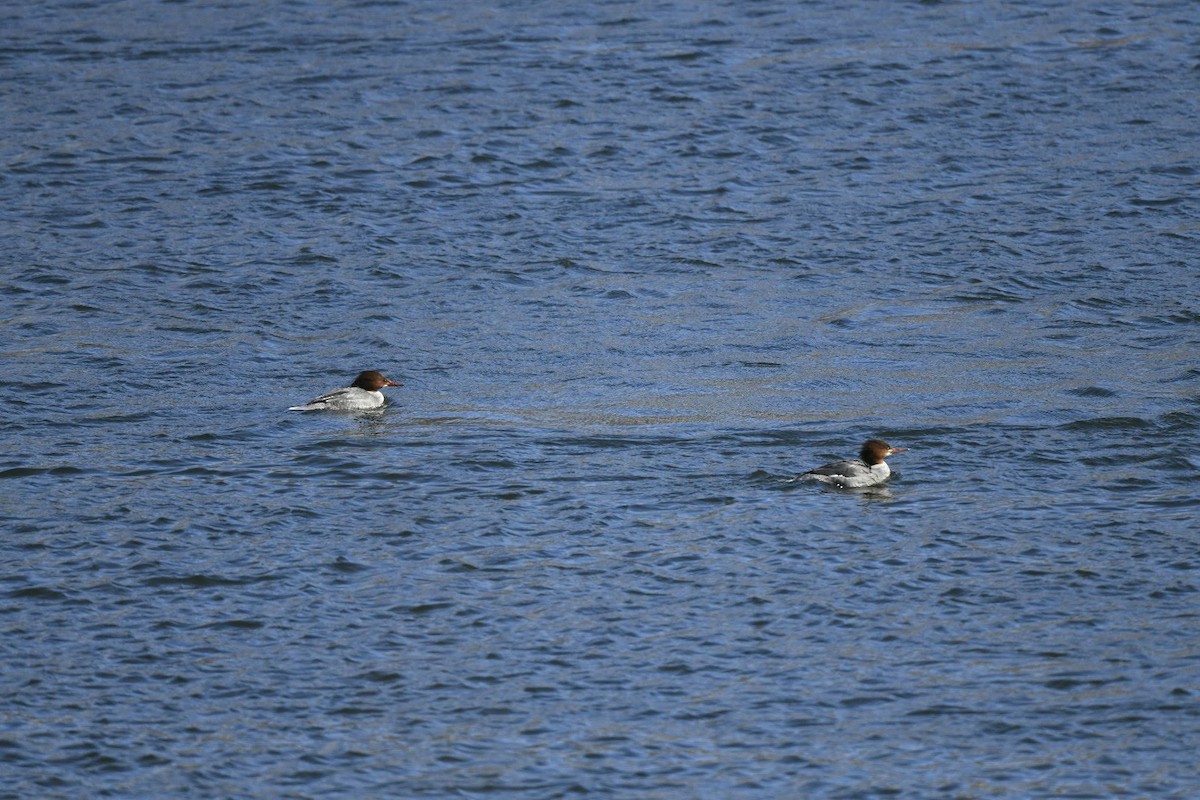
x,y
361,395
868,470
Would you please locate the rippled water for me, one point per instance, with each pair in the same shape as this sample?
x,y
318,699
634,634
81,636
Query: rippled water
x,y
637,264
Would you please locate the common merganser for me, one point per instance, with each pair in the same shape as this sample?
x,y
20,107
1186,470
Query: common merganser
x,y
869,470
362,395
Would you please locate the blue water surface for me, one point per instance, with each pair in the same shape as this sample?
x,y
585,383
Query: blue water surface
x,y
637,265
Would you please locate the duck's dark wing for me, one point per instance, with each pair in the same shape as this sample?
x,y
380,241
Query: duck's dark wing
x,y
325,398
845,469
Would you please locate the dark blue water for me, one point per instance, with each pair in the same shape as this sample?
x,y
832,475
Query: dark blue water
x,y
636,264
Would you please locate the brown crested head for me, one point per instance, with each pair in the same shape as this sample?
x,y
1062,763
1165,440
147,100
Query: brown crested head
x,y
372,381
874,451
